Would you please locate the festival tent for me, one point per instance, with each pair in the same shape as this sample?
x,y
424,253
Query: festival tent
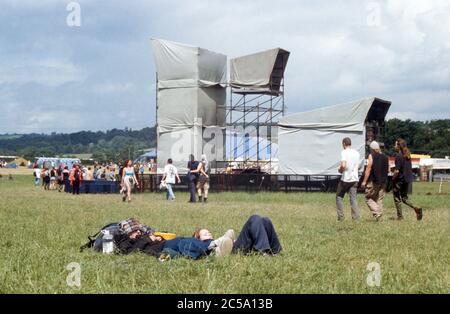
x,y
309,143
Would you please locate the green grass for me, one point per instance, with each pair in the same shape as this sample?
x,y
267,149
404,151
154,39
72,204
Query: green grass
x,y
41,232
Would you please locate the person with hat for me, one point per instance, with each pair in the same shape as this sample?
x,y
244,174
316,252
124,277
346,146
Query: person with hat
x,y
375,179
134,237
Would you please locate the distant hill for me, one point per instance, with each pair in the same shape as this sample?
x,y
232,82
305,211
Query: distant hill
x,y
431,137
113,144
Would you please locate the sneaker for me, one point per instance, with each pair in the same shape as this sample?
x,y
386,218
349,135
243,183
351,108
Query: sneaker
x,y
224,246
200,199
399,218
419,213
378,217
205,200
230,233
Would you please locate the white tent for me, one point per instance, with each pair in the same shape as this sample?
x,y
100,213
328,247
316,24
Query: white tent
x,y
310,142
191,97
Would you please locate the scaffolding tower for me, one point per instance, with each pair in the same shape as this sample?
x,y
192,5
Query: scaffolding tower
x,y
256,103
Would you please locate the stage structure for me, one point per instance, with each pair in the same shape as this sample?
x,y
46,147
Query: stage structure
x,y
310,142
190,103
256,103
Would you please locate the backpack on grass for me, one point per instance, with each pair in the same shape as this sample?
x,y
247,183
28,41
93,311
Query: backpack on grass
x,y
96,241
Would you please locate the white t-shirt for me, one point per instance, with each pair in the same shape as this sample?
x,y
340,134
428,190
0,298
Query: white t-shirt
x,y
351,157
37,171
170,171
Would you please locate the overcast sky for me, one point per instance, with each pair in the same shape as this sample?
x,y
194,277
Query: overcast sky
x,y
100,75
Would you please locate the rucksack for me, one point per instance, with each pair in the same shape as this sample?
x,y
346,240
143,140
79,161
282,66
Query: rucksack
x,y
96,241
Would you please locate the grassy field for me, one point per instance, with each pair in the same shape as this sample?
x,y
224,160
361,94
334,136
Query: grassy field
x,y
41,232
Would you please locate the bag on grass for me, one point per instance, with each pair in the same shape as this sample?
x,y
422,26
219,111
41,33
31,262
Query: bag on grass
x,y
96,241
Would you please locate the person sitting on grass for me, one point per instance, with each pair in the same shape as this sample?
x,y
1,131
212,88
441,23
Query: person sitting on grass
x,y
257,235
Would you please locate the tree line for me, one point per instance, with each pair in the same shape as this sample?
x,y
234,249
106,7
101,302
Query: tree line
x,y
108,145
430,137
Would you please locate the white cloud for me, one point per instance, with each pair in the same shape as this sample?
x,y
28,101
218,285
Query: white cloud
x,y
48,72
106,64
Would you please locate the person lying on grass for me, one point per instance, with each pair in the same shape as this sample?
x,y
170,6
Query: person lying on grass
x,y
257,235
133,238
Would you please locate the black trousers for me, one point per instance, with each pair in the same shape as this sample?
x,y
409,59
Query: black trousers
x,y
400,192
258,234
76,187
192,190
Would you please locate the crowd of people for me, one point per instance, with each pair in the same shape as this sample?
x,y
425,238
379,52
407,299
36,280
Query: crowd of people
x,y
62,178
374,181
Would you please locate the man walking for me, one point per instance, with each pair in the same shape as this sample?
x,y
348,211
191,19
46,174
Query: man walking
x,y
375,179
193,175
349,179
170,173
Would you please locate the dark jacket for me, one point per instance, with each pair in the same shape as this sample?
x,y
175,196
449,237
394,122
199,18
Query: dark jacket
x,y
143,244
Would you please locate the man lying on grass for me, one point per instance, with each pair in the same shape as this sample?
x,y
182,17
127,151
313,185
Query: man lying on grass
x,y
258,234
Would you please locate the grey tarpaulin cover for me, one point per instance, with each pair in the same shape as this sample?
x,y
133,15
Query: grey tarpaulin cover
x,y
260,72
311,142
191,96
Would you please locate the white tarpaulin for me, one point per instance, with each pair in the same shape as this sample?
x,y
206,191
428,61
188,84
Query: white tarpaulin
x,y
180,65
183,106
311,142
259,72
191,98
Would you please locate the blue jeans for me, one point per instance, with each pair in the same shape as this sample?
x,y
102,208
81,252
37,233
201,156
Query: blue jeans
x,y
258,234
169,193
187,246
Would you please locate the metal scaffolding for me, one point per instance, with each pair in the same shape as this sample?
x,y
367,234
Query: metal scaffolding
x,y
252,116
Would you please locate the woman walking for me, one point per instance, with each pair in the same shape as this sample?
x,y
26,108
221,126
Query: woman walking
x,y
402,179
128,180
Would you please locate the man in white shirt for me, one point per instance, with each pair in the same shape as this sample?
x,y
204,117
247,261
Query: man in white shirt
x,y
349,167
37,176
170,173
